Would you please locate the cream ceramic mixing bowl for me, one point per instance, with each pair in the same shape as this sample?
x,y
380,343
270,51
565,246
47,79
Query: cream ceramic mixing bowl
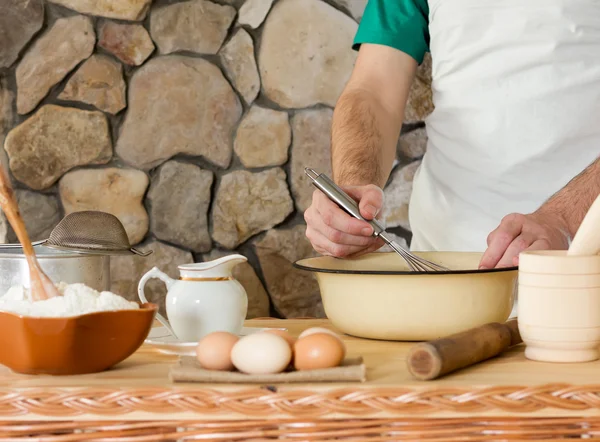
x,y
376,296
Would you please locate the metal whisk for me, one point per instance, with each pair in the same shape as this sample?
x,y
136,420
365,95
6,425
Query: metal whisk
x,y
342,199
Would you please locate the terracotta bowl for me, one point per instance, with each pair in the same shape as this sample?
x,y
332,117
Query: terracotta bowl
x,y
376,296
77,345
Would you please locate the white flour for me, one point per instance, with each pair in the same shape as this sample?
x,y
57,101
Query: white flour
x,y
77,299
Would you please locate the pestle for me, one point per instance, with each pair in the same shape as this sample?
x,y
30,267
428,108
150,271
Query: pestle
x,y
587,238
433,359
41,286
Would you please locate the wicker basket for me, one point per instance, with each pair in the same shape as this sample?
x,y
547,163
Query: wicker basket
x,y
368,430
504,399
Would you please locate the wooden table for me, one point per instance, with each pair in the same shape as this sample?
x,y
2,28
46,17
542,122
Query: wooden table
x,y
511,395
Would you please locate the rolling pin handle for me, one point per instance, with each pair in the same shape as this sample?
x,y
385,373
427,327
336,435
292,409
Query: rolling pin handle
x,y
430,360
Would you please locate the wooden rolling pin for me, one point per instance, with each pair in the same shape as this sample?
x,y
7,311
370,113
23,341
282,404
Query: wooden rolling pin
x,y
433,359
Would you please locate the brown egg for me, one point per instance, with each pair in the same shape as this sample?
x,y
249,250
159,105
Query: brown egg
x,y
214,351
318,350
313,330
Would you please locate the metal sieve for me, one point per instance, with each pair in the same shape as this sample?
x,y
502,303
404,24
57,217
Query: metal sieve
x,y
91,232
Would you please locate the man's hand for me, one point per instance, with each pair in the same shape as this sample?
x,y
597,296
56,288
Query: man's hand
x,y
333,232
366,124
516,233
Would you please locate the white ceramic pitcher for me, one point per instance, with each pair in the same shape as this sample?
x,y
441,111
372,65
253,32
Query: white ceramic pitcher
x,y
205,298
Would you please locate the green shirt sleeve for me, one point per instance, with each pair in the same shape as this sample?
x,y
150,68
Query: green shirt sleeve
x,y
400,24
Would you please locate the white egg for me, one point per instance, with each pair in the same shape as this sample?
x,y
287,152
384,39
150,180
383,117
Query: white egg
x,y
261,353
313,330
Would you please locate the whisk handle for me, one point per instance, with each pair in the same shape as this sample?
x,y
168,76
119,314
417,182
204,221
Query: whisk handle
x,y
341,198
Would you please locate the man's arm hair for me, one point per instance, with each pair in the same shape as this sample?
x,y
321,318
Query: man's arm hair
x,y
570,204
368,116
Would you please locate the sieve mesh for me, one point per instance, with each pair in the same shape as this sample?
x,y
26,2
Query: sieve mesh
x,y
91,231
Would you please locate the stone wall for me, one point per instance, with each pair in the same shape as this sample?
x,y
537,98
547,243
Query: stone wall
x,y
192,122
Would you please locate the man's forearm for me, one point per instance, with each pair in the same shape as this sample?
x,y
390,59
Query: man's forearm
x,y
368,116
364,138
571,203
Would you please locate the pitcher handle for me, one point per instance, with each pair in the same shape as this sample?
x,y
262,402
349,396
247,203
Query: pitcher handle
x,y
155,273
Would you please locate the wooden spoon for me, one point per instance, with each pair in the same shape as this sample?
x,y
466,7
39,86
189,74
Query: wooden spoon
x,y
41,286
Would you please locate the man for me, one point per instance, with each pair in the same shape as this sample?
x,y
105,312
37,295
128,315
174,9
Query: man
x,y
513,142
